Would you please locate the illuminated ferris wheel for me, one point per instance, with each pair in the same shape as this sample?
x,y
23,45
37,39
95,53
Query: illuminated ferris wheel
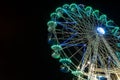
x,y
85,42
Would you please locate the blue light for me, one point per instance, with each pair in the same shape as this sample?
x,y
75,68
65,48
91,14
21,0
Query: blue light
x,y
101,30
101,78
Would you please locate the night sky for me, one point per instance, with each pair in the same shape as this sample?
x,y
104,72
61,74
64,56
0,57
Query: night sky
x,y
24,52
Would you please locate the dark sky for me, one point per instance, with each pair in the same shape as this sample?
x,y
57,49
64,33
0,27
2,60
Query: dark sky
x,y
24,53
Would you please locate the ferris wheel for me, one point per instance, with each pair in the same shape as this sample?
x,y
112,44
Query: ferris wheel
x,y
85,42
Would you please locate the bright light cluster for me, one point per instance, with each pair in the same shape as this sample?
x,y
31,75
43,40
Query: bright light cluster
x,y
101,30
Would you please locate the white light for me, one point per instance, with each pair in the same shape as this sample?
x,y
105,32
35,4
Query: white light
x,y
100,30
88,62
78,67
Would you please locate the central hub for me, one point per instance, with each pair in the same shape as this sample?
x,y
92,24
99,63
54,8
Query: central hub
x,y
100,30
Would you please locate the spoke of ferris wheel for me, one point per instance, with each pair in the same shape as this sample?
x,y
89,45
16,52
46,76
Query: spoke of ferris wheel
x,y
103,69
113,46
90,73
72,36
87,23
94,59
72,56
73,28
88,20
117,76
74,41
65,34
88,51
76,52
75,36
101,60
74,25
59,43
79,44
82,27
68,33
54,33
95,48
102,52
66,27
69,15
111,52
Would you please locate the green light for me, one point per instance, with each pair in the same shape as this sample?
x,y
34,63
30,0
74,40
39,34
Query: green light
x,y
118,44
56,55
103,18
65,60
56,47
110,23
88,10
73,5
115,30
66,6
54,15
52,24
96,14
77,73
